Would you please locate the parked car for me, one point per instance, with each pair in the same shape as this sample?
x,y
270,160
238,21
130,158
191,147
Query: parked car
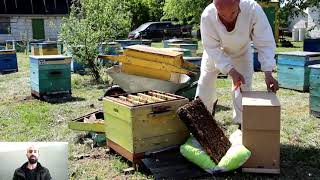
x,y
159,31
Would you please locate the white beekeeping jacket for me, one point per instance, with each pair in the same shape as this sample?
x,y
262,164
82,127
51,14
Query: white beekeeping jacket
x,y
221,47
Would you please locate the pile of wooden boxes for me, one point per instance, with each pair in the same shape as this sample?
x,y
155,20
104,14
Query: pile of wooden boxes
x,y
152,62
8,61
143,122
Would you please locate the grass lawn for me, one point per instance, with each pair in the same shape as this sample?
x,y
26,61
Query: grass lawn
x,y
23,118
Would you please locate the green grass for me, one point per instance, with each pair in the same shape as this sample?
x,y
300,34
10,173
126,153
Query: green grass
x,y
26,119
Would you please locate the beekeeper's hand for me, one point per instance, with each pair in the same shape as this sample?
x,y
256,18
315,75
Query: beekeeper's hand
x,y
272,84
236,77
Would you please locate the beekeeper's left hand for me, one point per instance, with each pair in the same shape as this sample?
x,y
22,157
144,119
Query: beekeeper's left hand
x,y
272,84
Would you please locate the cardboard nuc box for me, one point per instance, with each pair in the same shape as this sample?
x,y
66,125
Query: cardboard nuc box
x,y
261,131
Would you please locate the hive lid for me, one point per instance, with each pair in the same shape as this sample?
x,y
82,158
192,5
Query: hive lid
x,y
51,57
315,66
152,50
300,53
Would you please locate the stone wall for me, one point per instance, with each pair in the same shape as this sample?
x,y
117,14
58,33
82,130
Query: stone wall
x,y
21,27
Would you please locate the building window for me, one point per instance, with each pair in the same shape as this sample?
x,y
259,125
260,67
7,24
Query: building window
x,y
5,25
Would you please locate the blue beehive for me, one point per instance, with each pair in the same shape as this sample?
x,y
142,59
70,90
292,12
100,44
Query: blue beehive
x,y
178,41
256,62
293,71
193,60
50,75
75,65
312,45
315,90
129,42
8,61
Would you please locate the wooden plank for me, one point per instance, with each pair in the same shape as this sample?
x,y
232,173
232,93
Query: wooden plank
x,y
132,101
175,61
151,97
133,157
152,50
261,170
140,99
161,96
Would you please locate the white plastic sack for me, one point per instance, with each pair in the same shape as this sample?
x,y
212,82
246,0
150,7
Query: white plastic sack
x,y
237,104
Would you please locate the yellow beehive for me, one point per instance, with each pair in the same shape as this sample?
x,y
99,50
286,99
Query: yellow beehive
x,y
145,121
152,62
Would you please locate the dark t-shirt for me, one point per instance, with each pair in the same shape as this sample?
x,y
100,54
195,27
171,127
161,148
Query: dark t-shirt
x,y
30,174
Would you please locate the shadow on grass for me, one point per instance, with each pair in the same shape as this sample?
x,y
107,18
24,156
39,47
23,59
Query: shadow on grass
x,y
300,162
61,100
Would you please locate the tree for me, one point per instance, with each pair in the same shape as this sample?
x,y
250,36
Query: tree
x,y
291,8
155,9
185,11
90,23
143,11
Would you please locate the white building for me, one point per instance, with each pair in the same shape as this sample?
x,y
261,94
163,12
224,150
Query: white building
x,y
31,19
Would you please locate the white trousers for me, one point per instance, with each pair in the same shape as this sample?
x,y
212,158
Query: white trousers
x,y
207,90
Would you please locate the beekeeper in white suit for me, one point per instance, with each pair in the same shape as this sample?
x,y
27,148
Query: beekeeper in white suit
x,y
227,29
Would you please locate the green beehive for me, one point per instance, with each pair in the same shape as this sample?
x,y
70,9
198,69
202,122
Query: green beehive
x,y
315,90
50,75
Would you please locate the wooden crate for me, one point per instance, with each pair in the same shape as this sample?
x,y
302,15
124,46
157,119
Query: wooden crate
x,y
50,75
87,123
315,90
8,61
293,71
44,48
142,122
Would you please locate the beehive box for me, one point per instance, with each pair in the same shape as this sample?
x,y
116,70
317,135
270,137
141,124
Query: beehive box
x,y
8,61
315,90
311,45
261,131
16,45
44,48
192,47
178,41
129,42
145,121
50,75
293,71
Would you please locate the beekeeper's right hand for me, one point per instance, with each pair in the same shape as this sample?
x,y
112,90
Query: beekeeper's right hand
x,y
236,77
